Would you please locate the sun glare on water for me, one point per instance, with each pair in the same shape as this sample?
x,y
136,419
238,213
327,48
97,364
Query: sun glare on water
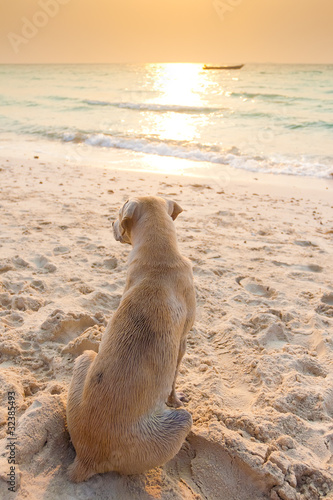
x,y
177,106
180,83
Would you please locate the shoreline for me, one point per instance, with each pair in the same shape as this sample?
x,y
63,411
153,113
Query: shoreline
x,y
82,154
131,161
258,366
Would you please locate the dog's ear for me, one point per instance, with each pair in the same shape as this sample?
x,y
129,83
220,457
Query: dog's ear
x,y
173,209
128,214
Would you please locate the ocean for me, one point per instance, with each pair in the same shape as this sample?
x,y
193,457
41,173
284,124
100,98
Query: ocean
x,y
262,118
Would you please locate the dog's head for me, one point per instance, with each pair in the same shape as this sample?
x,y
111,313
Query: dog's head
x,y
133,209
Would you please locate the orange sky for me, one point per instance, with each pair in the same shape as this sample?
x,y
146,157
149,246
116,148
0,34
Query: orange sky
x,y
222,31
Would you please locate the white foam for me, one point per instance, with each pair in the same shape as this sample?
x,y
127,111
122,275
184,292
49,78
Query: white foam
x,y
202,153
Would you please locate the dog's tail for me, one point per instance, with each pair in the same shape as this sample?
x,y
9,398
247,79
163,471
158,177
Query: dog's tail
x,y
159,438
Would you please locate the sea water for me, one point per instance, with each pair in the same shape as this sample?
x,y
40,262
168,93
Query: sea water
x,y
262,118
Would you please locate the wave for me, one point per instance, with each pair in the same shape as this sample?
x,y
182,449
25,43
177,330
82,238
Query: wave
x,y
61,98
253,95
316,124
160,108
316,167
276,98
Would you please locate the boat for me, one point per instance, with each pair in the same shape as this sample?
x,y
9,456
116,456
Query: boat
x,y
239,66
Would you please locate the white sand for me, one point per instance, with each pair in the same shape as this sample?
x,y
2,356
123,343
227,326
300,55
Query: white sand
x,y
258,367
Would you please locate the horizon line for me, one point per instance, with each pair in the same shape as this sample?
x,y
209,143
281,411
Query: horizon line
x,y
165,62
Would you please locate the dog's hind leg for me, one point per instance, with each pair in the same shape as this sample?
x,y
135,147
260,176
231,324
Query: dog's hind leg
x,y
81,367
171,430
160,438
77,471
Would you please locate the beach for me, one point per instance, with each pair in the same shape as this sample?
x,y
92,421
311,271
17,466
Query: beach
x,y
258,366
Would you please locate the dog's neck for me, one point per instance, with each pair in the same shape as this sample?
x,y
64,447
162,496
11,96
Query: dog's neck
x,y
154,241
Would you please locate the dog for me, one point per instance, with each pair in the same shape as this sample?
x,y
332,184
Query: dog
x,y
123,412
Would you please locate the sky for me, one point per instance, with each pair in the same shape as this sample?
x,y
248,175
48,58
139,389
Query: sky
x,y
204,31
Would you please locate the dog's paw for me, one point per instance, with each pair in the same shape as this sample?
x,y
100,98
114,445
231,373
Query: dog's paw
x,y
177,400
77,473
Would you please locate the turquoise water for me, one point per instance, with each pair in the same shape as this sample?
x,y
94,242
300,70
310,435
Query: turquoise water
x,y
264,118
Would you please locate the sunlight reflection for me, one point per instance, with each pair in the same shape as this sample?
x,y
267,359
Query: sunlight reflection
x,y
167,165
180,88
174,126
180,167
180,83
